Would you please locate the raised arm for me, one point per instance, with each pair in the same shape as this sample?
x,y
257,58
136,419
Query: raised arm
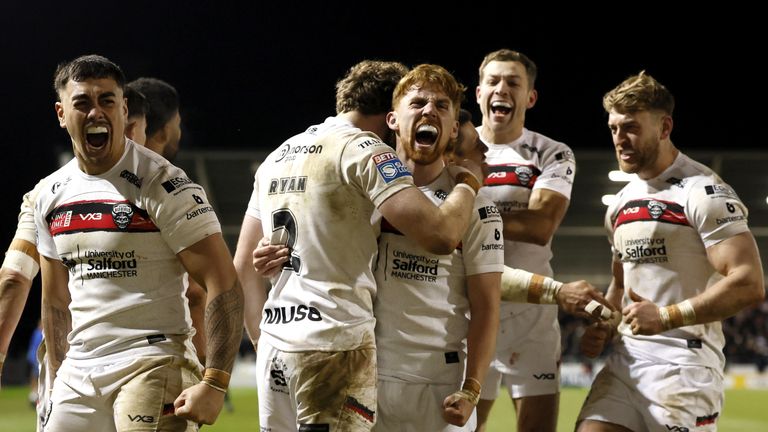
x,y
446,224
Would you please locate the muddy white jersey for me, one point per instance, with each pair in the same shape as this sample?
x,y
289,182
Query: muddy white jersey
x,y
321,187
660,230
422,308
516,169
118,233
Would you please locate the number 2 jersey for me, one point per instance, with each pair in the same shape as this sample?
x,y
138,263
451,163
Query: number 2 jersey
x,y
118,233
321,187
660,230
422,304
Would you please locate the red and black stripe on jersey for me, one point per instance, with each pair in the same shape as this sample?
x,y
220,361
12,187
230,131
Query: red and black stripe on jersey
x,y
641,210
512,175
90,216
387,227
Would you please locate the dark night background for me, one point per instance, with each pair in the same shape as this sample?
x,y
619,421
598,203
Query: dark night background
x,y
251,75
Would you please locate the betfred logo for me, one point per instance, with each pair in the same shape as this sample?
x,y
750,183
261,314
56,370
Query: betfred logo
x,y
379,158
390,167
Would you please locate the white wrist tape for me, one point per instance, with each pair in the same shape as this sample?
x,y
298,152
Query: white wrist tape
x,y
468,187
550,289
22,263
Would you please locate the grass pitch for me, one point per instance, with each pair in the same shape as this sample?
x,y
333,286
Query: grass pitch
x,y
745,410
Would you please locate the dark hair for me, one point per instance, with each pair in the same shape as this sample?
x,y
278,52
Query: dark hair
x,y
86,67
367,87
163,101
464,116
137,102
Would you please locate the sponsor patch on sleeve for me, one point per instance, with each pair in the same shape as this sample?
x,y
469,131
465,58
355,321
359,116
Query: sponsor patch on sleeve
x,y
719,190
390,167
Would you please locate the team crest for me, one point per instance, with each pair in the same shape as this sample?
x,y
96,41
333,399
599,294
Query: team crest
x,y
656,208
122,214
524,174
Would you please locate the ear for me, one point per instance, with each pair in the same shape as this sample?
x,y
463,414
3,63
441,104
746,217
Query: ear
x,y
533,96
392,120
666,126
477,95
455,130
60,114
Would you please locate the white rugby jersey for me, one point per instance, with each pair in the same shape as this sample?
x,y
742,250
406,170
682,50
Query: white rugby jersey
x,y
322,186
25,230
119,233
659,230
422,308
530,162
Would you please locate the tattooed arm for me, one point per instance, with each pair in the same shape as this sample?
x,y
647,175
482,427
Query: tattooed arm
x,y
57,321
210,264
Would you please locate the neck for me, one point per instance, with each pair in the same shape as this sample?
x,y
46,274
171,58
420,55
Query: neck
x,y
505,136
423,174
375,123
667,155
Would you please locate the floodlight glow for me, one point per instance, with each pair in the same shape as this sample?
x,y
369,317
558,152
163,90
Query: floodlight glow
x,y
608,199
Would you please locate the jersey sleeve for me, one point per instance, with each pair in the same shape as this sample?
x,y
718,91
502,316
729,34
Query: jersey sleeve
x,y
374,168
25,229
180,208
557,171
715,211
483,245
253,203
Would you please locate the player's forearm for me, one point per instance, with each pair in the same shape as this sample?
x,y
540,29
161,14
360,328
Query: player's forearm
x,y
529,226
14,290
224,327
452,219
481,345
57,323
740,289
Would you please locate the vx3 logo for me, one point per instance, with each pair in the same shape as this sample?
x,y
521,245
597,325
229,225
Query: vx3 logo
x,y
544,376
138,418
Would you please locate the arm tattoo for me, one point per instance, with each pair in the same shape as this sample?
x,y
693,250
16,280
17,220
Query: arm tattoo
x,y
57,323
224,327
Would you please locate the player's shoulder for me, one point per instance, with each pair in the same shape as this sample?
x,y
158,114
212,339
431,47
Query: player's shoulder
x,y
549,148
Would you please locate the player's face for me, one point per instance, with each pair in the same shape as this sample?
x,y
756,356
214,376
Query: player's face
x,y
636,138
425,121
504,95
94,113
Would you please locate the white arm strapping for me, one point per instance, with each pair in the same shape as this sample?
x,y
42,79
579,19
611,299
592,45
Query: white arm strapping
x,y
516,287
22,263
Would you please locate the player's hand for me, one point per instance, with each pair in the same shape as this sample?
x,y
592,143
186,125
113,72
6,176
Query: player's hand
x,y
574,297
642,316
594,339
469,166
268,259
457,410
199,403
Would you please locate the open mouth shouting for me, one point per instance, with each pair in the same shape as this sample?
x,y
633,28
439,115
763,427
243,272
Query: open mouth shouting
x,y
426,136
501,108
96,136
